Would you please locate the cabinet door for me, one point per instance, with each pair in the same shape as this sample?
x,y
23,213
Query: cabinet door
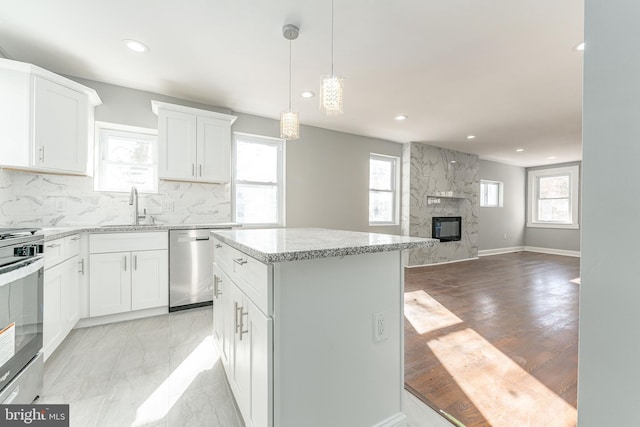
x,y
220,309
260,346
149,279
177,143
72,293
214,149
109,283
53,317
60,126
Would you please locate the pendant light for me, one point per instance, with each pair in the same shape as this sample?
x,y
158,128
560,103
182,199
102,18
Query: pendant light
x,y
331,86
289,123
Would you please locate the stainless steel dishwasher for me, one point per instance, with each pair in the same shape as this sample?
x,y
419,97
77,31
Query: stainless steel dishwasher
x,y
190,269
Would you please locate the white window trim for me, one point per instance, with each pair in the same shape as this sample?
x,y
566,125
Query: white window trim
x,y
395,191
500,193
281,177
574,176
97,152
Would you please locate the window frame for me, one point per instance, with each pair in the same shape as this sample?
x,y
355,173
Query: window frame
x,y
533,179
280,185
395,185
115,129
500,202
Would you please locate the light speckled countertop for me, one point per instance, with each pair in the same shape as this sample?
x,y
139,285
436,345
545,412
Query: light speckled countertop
x,y
52,233
294,244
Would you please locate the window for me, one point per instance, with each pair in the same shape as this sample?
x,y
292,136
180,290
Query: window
x,y
258,180
127,157
553,197
383,190
491,193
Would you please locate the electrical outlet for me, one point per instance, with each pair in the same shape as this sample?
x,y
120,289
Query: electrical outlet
x,y
167,206
61,204
505,236
380,327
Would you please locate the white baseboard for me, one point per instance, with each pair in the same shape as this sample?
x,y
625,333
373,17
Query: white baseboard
x,y
551,251
420,415
498,251
441,263
120,317
398,420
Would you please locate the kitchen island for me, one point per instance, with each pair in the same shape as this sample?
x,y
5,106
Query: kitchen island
x,y
309,325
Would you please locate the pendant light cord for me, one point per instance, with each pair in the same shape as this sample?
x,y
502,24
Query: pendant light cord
x,y
289,75
331,38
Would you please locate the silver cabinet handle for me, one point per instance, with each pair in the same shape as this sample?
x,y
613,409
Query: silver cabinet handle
x,y
193,169
240,261
201,170
218,246
81,268
235,309
53,245
135,262
242,330
216,286
125,263
75,238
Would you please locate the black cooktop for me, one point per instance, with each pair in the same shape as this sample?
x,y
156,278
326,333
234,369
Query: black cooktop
x,y
9,233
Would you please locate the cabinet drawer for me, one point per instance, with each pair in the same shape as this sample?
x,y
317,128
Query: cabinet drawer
x,y
250,275
54,252
72,245
128,241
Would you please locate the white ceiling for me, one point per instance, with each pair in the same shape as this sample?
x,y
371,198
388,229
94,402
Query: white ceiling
x,y
503,70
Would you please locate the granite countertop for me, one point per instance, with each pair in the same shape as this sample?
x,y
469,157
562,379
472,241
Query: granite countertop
x,y
52,233
294,244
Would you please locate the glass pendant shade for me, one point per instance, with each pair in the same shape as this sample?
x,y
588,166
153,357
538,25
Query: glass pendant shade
x,y
331,95
289,125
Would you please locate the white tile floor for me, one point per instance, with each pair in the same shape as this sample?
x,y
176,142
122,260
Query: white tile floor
x,y
158,371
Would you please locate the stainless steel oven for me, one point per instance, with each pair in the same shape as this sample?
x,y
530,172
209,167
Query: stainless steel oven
x,y
21,300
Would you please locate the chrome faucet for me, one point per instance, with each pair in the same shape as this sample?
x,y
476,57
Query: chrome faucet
x,y
133,200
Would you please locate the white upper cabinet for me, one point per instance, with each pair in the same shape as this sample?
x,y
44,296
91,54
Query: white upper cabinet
x,y
194,145
47,120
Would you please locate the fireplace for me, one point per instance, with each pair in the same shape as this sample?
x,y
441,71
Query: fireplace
x,y
447,228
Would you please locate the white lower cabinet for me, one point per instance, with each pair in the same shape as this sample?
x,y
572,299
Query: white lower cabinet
x,y
61,291
128,271
243,336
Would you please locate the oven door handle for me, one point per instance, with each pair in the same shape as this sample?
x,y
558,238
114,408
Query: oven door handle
x,y
20,269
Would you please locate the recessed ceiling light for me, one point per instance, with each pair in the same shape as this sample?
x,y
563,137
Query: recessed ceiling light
x,y
136,46
580,47
519,150
400,117
452,161
471,137
551,157
307,94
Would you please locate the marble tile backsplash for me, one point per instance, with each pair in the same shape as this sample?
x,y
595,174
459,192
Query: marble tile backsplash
x,y
434,171
43,200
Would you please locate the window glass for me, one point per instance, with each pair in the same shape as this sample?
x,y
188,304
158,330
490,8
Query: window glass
x,y
258,180
553,197
125,159
383,191
491,193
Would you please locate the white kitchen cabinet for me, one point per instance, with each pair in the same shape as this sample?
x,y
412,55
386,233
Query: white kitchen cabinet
x,y
48,120
128,271
194,145
243,336
61,291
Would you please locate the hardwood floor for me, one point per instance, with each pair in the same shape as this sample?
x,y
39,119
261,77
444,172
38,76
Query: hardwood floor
x,y
494,341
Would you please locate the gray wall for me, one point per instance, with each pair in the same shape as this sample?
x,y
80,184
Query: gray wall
x,y
327,172
608,374
554,238
494,223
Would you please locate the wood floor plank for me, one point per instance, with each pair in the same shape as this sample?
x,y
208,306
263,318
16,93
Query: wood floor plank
x,y
494,341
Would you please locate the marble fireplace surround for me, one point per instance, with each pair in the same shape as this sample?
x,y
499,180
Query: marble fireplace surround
x,y
438,182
